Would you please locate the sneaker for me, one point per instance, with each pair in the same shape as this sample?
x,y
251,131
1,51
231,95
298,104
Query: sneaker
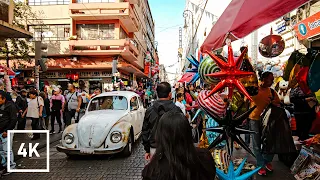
x,y
60,131
262,172
5,172
52,132
269,167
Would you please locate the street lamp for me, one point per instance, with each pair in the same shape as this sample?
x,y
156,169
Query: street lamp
x,y
185,15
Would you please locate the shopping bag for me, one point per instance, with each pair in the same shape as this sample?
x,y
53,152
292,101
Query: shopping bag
x,y
276,132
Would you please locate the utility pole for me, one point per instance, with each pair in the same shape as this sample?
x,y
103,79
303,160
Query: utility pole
x,y
254,45
40,60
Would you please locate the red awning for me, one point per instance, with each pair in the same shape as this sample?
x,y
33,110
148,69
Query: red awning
x,y
186,77
242,17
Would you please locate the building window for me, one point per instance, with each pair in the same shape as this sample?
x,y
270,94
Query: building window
x,y
123,34
47,2
50,32
95,31
96,74
96,1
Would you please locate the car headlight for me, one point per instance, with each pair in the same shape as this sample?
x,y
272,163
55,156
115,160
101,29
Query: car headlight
x,y
116,137
69,138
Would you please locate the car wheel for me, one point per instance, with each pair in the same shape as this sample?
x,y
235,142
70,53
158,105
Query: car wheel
x,y
127,151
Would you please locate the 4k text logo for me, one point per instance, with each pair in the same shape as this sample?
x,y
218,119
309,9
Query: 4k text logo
x,y
32,150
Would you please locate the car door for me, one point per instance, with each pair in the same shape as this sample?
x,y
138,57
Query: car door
x,y
141,115
134,111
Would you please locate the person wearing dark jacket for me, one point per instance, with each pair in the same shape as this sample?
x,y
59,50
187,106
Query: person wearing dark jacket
x,y
152,116
22,105
303,113
176,157
8,120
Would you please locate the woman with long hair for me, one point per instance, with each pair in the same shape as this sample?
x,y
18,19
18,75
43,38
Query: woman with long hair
x,y
176,157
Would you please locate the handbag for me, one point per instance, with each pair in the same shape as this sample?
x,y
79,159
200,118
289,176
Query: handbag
x,y
66,105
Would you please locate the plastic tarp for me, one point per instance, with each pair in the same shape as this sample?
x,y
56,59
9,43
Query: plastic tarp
x,y
242,17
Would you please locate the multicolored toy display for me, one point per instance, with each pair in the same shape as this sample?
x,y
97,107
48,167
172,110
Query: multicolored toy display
x,y
230,74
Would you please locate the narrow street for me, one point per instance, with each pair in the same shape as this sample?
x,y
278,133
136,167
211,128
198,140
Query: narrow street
x,y
112,167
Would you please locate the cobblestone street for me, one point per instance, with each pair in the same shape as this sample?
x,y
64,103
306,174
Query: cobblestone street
x,y
97,167
109,167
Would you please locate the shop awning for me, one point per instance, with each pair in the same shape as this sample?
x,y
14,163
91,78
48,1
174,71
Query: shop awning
x,y
242,17
186,77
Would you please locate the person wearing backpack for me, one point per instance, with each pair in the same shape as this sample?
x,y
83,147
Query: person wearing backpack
x,y
34,112
56,103
265,96
152,116
73,104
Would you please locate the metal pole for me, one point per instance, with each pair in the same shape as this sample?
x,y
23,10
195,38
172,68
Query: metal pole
x,y
36,78
192,44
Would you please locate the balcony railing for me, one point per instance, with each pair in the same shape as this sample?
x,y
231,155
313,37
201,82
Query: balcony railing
x,y
105,11
121,47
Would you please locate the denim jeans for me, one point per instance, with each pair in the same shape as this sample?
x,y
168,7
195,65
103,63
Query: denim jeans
x,y
247,136
4,152
262,159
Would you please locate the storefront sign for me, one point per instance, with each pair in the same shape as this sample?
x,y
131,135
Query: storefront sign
x,y
309,27
281,27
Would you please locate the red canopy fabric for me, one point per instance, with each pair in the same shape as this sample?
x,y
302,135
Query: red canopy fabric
x,y
186,77
241,17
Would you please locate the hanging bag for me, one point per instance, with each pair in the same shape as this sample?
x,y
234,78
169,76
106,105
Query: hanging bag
x,y
276,132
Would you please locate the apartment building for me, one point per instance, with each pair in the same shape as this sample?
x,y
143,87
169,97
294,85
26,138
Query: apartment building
x,y
85,36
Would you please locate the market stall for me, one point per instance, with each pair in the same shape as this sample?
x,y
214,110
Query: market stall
x,y
236,76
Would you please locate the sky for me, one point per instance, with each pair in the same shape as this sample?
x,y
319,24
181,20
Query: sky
x,y
167,15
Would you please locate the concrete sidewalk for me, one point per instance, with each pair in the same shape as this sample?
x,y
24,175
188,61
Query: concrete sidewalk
x,y
280,171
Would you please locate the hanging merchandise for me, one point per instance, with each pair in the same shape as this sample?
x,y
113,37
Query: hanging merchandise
x,y
208,66
271,45
314,74
292,78
228,129
236,174
238,104
213,103
230,73
249,82
302,80
195,64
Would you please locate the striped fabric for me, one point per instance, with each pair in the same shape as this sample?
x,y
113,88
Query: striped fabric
x,y
213,103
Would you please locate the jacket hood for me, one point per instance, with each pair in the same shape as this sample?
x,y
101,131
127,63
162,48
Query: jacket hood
x,y
166,104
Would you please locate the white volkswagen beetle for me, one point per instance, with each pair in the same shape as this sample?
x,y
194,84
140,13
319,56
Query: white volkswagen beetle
x,y
111,124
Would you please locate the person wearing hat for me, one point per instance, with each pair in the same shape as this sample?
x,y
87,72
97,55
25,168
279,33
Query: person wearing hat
x,y
57,104
22,105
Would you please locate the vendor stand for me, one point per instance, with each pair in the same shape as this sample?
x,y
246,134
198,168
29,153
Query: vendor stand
x,y
235,23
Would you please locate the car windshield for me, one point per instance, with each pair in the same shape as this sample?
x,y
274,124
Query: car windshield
x,y
108,102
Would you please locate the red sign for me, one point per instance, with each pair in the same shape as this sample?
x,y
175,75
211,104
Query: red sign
x,y
74,77
309,27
